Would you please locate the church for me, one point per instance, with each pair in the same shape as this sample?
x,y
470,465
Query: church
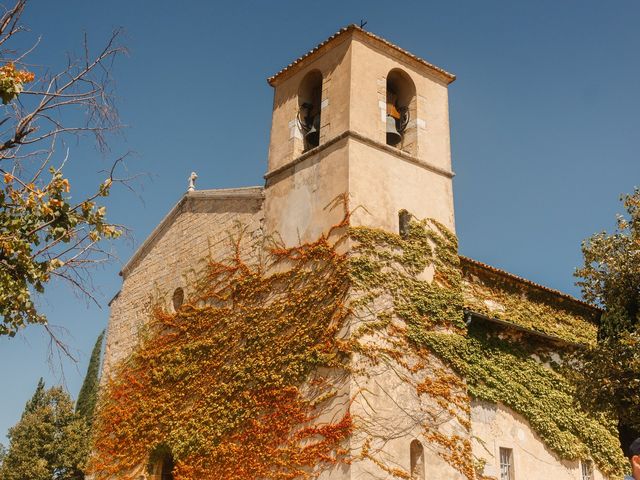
x,y
324,326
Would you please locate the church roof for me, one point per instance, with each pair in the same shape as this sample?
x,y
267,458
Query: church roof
x,y
197,195
530,283
448,77
504,298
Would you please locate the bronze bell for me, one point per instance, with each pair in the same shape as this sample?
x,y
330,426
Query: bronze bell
x,y
312,137
393,136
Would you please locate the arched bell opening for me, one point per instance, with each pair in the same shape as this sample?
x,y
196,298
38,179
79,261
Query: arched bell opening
x,y
401,111
161,464
309,106
416,452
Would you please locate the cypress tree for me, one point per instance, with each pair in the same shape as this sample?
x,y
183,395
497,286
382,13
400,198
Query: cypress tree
x,y
37,400
88,395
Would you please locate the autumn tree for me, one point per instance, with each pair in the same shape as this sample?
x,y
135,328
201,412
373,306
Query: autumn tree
x,y
49,442
44,233
610,277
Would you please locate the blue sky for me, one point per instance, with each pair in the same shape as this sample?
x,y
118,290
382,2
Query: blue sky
x,y
544,117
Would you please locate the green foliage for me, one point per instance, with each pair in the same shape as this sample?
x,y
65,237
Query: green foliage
x,y
608,378
496,297
496,369
388,264
414,277
37,400
610,276
88,396
39,228
50,442
501,371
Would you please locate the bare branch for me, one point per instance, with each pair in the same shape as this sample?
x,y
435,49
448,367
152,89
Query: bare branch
x,y
9,21
45,235
59,344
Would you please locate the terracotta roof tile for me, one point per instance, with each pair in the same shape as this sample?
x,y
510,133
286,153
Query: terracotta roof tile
x,y
449,76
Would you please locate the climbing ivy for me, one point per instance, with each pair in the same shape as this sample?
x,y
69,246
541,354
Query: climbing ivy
x,y
387,264
419,275
219,382
496,368
511,373
493,296
231,383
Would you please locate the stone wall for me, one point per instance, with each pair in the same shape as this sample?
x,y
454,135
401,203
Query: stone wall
x,y
495,426
390,415
199,227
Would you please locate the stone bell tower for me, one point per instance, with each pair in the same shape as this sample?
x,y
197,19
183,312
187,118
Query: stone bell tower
x,y
361,116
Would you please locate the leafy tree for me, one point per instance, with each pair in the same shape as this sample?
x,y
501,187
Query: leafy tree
x,y
50,442
88,396
610,277
44,234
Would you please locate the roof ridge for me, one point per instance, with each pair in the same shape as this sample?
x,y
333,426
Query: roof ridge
x,y
449,76
199,195
531,283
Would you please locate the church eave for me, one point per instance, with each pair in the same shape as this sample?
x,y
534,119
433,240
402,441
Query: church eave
x,y
447,77
214,194
470,315
529,283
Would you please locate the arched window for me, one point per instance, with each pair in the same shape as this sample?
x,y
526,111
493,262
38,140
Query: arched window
x,y
178,298
166,468
166,472
161,464
309,105
401,111
417,460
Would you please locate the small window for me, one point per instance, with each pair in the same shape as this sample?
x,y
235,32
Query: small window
x,y
178,298
506,464
416,451
587,470
404,218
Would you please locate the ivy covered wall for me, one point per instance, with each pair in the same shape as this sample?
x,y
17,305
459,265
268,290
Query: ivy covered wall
x,y
501,295
237,382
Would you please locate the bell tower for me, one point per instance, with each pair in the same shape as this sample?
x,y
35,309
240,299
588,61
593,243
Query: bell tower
x,y
361,116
